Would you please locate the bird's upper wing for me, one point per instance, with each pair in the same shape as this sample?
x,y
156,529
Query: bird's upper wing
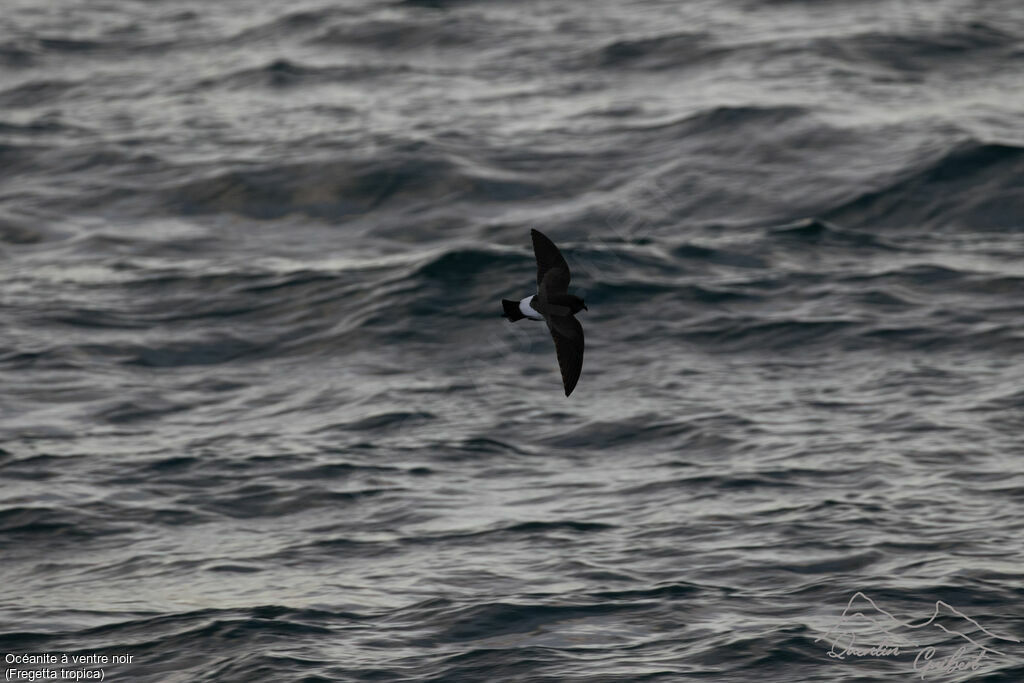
x,y
550,264
568,335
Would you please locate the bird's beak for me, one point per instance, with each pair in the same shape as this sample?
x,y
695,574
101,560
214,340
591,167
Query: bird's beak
x,y
585,307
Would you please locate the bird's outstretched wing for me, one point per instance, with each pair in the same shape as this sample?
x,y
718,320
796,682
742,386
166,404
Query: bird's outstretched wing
x,y
568,335
550,265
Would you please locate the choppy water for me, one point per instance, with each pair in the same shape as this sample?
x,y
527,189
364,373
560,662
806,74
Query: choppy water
x,y
260,419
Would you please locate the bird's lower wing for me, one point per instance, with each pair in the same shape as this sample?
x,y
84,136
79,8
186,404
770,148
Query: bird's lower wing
x,y
568,335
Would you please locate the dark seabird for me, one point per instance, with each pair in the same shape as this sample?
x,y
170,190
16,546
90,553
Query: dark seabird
x,y
554,305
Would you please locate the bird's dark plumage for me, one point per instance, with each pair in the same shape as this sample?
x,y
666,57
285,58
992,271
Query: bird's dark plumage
x,y
568,335
554,303
550,264
512,311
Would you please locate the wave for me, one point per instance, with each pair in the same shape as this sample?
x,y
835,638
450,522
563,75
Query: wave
x,y
457,266
289,24
61,526
720,297
36,93
15,56
970,186
406,34
283,73
907,54
17,231
336,189
705,124
816,232
669,51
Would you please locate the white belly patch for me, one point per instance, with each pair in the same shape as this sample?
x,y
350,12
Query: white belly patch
x,y
525,309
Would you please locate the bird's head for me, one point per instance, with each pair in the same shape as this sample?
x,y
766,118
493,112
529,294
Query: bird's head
x,y
577,304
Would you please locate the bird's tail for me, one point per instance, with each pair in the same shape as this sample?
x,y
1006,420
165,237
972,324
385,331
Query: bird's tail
x,y
512,311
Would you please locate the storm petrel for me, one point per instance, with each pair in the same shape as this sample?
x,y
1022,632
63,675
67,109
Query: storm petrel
x,y
554,305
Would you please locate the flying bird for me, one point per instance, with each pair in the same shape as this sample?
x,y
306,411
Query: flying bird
x,y
555,306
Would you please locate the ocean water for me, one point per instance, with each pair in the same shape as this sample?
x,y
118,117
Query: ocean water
x,y
261,420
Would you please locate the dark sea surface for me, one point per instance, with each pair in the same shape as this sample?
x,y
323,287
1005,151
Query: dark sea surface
x,y
261,420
